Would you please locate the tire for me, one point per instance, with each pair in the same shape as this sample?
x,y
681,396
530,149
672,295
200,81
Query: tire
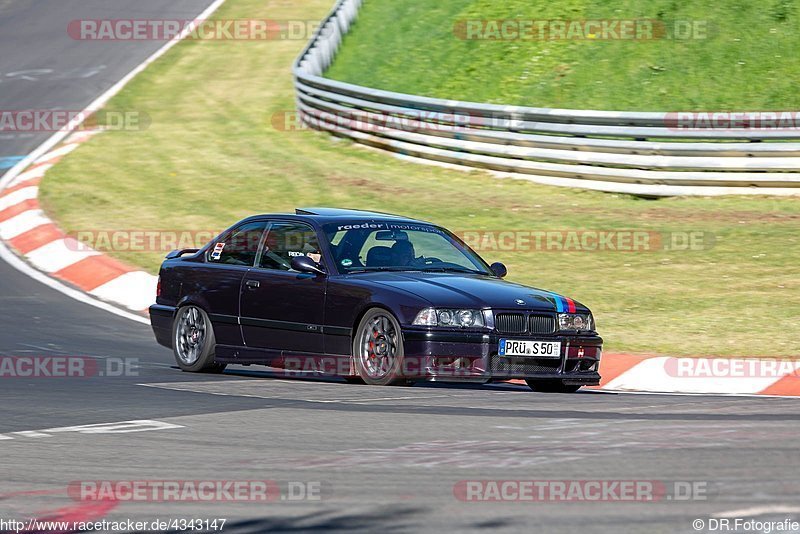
x,y
193,341
551,386
378,349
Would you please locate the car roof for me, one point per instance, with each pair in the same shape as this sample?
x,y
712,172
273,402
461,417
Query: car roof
x,y
324,215
348,213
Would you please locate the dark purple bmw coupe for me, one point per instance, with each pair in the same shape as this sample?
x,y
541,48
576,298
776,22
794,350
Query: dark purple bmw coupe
x,y
369,297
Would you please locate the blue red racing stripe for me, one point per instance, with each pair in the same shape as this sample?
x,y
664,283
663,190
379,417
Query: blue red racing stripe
x,y
563,304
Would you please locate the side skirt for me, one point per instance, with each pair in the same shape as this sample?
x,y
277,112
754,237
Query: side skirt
x,y
295,363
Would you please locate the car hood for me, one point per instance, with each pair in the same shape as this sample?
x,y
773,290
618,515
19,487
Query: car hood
x,y
448,290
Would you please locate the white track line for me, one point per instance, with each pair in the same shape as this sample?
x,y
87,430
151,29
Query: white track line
x,y
31,434
682,394
759,510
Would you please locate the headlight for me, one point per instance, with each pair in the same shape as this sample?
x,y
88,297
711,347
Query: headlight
x,y
449,317
575,321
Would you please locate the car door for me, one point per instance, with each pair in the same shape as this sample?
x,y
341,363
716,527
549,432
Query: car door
x,y
216,282
282,309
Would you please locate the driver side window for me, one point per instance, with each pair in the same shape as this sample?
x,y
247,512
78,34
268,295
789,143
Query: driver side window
x,y
286,240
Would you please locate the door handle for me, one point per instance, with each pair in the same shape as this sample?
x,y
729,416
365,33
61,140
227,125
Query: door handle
x,y
252,284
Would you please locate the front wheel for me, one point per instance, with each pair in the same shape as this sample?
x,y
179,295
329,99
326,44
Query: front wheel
x,y
551,386
378,349
193,341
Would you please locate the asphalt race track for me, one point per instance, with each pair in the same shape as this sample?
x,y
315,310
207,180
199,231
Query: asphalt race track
x,y
42,67
390,459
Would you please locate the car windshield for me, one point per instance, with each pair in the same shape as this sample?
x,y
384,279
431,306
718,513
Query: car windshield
x,y
363,246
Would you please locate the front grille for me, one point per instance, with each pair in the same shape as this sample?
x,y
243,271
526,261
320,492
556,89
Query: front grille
x,y
510,323
520,323
541,324
510,367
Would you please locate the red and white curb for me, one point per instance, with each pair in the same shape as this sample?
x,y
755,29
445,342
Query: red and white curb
x,y
28,230
708,376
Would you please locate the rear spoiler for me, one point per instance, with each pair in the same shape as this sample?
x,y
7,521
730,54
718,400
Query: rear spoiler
x,y
178,253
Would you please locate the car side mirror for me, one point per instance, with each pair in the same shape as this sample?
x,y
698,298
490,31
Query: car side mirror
x,y
499,269
304,264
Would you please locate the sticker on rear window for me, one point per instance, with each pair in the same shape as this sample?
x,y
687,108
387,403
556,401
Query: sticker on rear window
x,y
346,262
217,252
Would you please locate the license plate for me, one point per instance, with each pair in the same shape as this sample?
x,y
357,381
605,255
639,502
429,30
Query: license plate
x,y
530,349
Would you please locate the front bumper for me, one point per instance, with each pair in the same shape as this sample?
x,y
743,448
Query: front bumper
x,y
472,357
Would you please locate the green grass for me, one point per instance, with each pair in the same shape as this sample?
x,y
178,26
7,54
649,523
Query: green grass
x,y
748,60
212,156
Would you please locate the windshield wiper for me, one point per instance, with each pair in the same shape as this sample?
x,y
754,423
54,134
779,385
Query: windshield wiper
x,y
416,269
379,269
452,270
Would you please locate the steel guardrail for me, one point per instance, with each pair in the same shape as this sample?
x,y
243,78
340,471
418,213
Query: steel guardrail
x,y
642,153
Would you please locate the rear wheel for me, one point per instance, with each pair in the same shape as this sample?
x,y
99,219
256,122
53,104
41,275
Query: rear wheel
x,y
378,349
552,386
193,341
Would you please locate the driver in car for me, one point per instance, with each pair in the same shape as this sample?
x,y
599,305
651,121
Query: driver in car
x,y
403,254
312,251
